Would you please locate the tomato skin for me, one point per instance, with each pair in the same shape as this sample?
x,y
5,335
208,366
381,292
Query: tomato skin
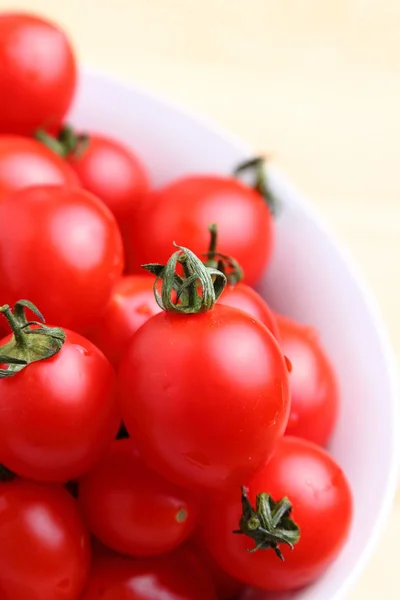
x,y
190,383
132,509
113,173
58,415
313,384
227,587
45,546
244,297
25,163
61,248
175,576
38,70
132,304
184,209
322,507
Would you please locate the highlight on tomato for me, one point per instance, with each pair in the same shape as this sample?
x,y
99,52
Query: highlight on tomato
x,y
176,576
105,167
203,389
183,209
132,509
60,247
25,163
57,399
320,507
38,73
313,384
132,303
45,545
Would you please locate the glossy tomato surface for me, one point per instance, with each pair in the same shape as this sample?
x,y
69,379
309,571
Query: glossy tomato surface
x,y
184,209
113,173
132,303
245,298
37,73
313,383
45,546
133,509
322,507
204,396
176,576
60,248
59,414
25,162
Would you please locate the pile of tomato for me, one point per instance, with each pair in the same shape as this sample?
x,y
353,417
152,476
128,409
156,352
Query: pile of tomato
x,y
162,430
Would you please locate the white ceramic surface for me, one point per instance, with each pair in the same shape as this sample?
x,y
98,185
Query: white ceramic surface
x,y
310,279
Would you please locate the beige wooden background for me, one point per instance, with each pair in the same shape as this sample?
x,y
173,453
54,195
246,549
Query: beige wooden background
x,y
317,82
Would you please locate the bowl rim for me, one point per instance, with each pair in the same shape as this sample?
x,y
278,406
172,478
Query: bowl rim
x,y
279,179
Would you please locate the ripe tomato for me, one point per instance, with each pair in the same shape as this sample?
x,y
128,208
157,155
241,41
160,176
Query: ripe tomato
x,y
37,73
313,385
132,509
61,248
175,576
113,173
45,547
132,303
205,396
183,210
242,296
25,162
227,587
58,414
322,507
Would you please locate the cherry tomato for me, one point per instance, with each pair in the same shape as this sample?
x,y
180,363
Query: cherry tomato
x,y
322,507
37,73
242,296
132,509
227,587
184,209
176,576
205,396
313,385
113,173
132,303
45,547
61,248
25,162
58,414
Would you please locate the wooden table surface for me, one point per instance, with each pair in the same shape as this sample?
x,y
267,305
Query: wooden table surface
x,y
317,83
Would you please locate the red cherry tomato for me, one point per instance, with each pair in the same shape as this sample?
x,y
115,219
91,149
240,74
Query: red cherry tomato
x,y
113,173
175,576
58,414
25,162
322,507
313,385
242,296
37,73
45,547
132,509
227,587
61,248
183,211
205,396
132,303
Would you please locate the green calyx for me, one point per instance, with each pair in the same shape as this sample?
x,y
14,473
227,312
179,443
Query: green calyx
x,y
196,292
31,341
222,262
68,143
269,524
255,167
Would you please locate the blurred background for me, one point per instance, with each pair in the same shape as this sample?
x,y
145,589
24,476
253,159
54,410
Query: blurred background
x,y
314,83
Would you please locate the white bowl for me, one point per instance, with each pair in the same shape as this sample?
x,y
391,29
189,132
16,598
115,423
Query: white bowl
x,y
309,279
